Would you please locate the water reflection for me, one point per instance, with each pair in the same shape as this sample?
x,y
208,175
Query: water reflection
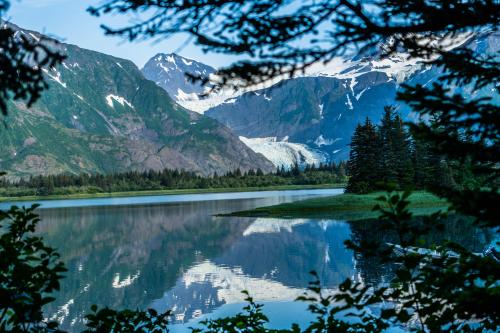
x,y
178,256
134,256
270,260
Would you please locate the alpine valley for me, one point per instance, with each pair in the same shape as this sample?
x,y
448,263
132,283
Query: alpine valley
x,y
311,118
100,114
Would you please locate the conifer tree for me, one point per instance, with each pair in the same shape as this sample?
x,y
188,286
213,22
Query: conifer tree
x,y
402,152
363,164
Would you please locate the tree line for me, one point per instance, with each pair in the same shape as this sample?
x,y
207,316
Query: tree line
x,y
60,184
386,156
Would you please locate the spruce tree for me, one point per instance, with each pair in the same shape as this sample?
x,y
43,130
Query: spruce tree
x,y
402,152
363,163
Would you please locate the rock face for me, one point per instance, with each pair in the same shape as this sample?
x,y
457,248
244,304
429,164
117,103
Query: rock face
x,y
101,115
312,118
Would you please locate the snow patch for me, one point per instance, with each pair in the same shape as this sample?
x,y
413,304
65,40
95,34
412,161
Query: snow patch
x,y
63,311
117,283
353,84
119,65
56,77
171,59
320,106
79,97
349,103
166,69
188,63
321,141
358,96
110,98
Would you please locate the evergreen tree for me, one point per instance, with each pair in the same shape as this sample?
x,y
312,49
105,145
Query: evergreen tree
x,y
402,152
395,165
363,164
387,150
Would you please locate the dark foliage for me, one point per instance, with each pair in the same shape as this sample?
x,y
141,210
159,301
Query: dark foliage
x,y
109,320
29,272
386,157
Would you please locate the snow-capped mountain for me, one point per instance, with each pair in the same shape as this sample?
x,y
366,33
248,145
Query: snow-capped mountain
x,y
311,118
168,72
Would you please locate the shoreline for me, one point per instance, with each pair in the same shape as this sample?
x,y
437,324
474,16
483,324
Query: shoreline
x,y
167,192
350,207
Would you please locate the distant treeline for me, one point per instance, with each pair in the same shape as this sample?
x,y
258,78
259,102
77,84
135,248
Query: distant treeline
x,y
387,157
61,184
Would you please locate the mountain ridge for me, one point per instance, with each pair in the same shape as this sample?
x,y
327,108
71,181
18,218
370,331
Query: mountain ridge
x,y
311,118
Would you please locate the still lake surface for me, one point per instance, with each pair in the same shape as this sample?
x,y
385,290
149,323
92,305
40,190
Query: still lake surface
x,y
171,252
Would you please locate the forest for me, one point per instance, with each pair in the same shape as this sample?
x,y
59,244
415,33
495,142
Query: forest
x,y
168,179
388,157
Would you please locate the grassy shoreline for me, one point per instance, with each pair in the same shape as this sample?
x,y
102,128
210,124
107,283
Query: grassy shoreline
x,y
343,207
169,192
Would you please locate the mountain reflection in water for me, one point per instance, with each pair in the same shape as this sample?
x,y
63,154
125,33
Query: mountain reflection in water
x,y
179,256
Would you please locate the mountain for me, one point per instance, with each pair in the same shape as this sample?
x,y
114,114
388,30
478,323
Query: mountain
x,y
168,72
101,115
318,113
311,118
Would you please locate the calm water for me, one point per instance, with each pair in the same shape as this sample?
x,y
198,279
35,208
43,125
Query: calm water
x,y
172,253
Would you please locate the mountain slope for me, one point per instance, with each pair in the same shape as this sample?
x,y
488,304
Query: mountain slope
x,y
321,109
101,115
319,112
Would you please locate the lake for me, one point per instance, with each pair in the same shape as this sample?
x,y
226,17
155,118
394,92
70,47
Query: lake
x,y
171,252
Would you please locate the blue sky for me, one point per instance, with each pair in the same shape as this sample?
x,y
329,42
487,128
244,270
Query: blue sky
x,y
68,21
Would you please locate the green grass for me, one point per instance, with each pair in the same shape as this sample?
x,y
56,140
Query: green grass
x,y
343,207
169,192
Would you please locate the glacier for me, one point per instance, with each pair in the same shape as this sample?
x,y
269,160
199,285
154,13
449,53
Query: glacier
x,y
284,153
